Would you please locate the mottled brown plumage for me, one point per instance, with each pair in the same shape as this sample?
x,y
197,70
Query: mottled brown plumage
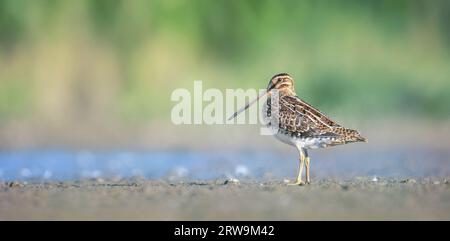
x,y
302,125
300,119
299,124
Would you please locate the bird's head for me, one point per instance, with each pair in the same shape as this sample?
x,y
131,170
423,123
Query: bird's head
x,y
283,83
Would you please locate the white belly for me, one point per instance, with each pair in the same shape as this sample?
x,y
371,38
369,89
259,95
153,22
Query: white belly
x,y
307,143
285,139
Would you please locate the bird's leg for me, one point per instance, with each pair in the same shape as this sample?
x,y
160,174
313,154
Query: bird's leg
x,y
307,161
300,170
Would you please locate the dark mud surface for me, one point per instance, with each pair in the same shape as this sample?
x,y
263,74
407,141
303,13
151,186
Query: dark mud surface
x,y
360,198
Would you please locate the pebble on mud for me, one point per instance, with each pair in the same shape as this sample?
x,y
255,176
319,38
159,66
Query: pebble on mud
x,y
15,184
412,181
231,181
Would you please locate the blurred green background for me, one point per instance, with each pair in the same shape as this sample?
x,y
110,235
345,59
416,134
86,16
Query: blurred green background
x,y
118,61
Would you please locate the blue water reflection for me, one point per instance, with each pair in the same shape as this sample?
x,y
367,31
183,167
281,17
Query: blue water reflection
x,y
64,165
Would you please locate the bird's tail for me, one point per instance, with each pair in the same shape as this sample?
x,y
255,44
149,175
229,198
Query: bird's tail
x,y
349,135
354,136
361,139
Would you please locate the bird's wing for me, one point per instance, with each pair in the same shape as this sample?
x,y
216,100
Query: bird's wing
x,y
298,116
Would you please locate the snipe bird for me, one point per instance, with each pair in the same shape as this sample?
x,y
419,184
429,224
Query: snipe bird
x,y
300,124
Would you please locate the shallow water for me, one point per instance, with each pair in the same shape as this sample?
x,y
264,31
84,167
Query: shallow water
x,y
178,165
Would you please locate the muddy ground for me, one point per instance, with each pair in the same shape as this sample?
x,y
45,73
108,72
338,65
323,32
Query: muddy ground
x,y
357,199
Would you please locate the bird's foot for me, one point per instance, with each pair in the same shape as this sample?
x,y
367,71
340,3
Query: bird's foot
x,y
297,183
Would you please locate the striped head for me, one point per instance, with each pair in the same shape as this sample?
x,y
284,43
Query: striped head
x,y
283,82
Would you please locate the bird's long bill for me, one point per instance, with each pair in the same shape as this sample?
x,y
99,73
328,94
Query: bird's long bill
x,y
247,105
